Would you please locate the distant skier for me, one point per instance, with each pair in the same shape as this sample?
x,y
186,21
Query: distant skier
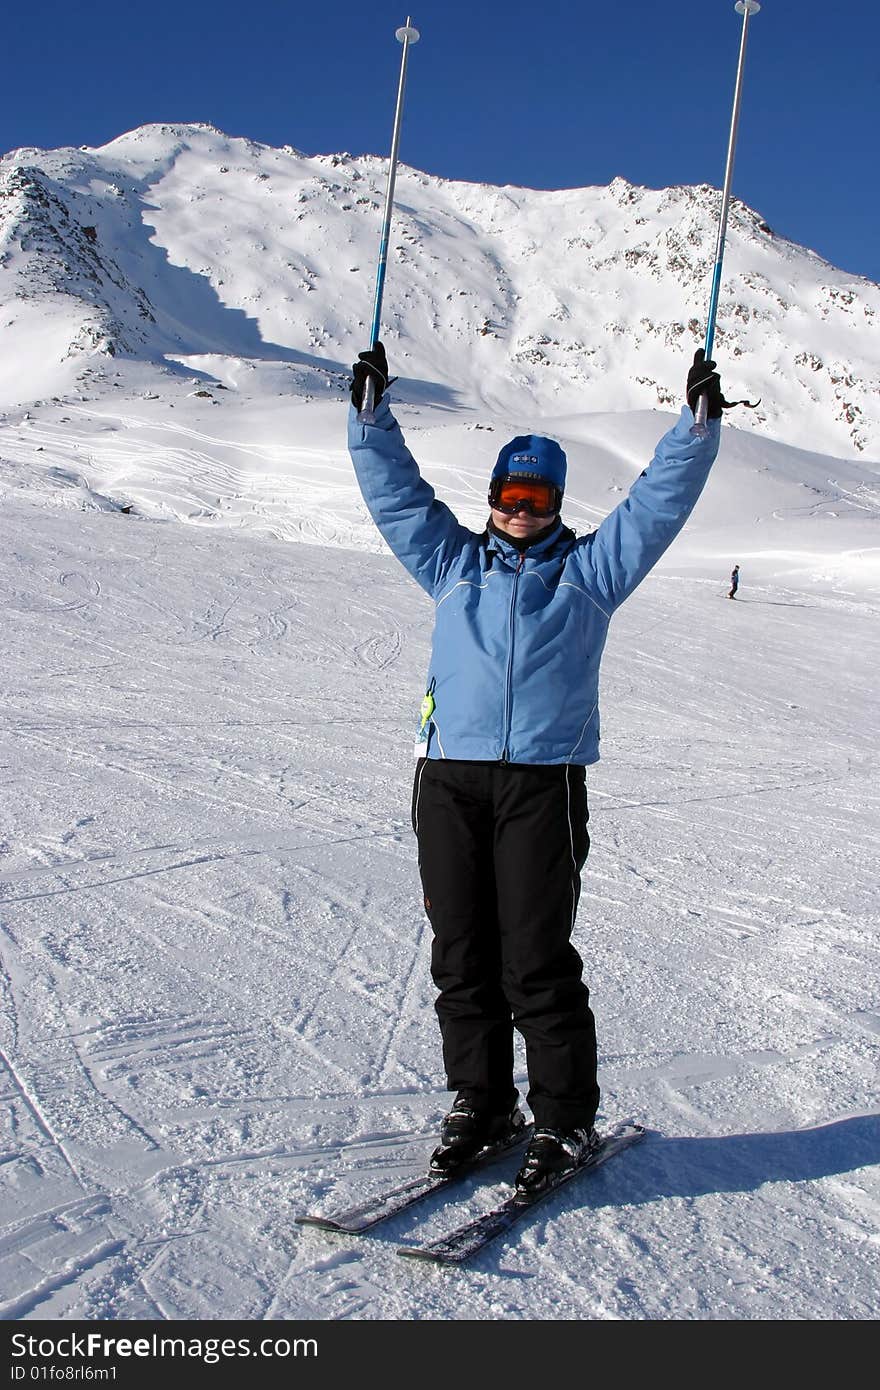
x,y
509,723
734,581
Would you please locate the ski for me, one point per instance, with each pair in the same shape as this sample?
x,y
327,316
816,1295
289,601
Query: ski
x,y
466,1241
364,1216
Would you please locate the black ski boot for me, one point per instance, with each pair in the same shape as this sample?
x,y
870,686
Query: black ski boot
x,y
466,1131
550,1154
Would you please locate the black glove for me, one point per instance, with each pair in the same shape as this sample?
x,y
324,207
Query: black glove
x,y
703,380
370,365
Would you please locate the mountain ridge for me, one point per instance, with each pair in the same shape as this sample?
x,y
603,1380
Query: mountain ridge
x,y
175,241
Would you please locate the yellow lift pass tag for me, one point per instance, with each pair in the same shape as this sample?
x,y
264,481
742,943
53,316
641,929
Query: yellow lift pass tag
x,y
426,709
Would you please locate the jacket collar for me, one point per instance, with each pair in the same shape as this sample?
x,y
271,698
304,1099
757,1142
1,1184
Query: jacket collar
x,y
500,544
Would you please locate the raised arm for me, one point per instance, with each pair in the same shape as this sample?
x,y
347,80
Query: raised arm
x,y
631,539
422,532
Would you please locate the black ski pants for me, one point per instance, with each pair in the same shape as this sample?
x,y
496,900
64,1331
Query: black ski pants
x,y
501,848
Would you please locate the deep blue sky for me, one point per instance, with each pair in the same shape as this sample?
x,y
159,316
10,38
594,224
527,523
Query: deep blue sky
x,y
547,95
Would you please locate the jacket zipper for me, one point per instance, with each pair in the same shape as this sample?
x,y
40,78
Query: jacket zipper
x,y
508,688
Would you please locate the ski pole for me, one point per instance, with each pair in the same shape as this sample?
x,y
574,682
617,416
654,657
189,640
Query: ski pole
x,y
406,36
746,8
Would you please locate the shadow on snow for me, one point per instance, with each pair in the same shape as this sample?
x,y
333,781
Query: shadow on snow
x,y
745,1162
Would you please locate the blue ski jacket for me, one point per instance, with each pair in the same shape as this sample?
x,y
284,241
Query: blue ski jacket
x,y
518,637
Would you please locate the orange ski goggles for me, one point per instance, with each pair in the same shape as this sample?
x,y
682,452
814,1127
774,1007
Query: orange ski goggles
x,y
518,493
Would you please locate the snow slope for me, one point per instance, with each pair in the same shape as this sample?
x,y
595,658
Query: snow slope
x,y
216,1008
215,1005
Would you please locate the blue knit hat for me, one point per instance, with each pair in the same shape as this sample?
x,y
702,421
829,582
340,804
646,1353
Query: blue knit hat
x,y
534,456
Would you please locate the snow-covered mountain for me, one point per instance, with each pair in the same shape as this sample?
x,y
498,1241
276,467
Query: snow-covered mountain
x,y
181,246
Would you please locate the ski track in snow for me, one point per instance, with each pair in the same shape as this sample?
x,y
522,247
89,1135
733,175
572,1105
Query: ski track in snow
x,y
215,1007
